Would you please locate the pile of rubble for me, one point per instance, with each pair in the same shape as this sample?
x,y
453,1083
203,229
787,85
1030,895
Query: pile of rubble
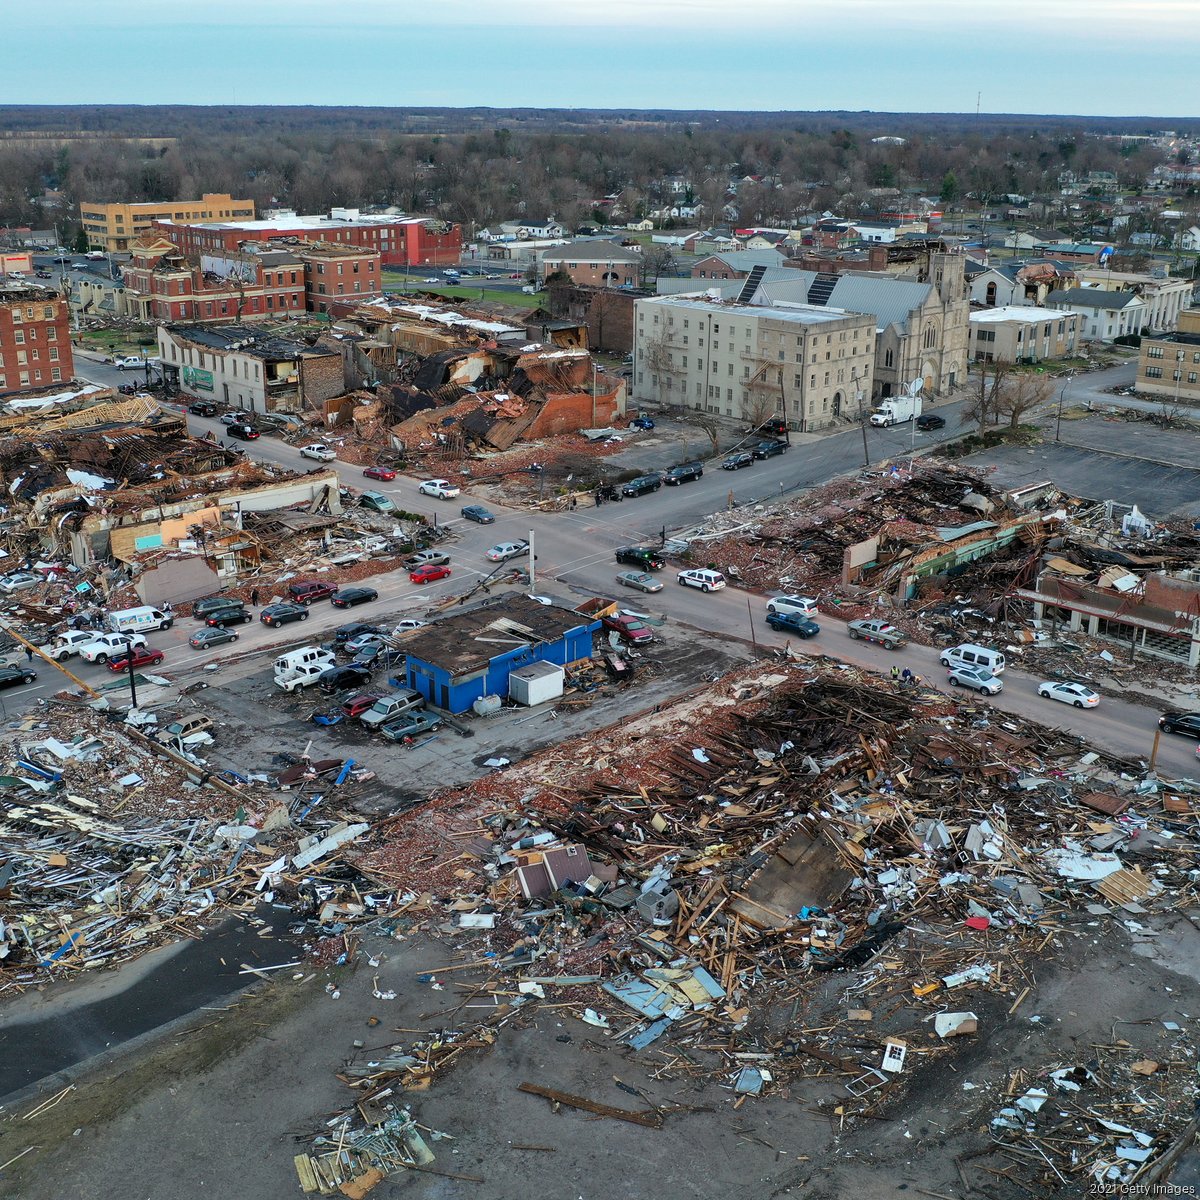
x,y
888,870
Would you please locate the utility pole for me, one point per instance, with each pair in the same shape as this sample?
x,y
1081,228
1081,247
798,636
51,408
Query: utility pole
x,y
532,563
132,684
862,419
1058,425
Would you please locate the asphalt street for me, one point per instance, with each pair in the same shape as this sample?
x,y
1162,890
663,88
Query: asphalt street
x,y
575,557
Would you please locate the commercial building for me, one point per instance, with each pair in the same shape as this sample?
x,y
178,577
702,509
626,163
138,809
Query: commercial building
x,y
400,241
334,273
35,338
594,263
921,321
1165,297
1170,365
248,369
1106,315
1019,333
810,364
117,226
462,658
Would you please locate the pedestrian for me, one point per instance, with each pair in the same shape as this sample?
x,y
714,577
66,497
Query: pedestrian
x,y
28,654
254,597
906,675
895,674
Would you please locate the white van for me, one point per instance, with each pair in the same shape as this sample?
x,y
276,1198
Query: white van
x,y
131,620
970,655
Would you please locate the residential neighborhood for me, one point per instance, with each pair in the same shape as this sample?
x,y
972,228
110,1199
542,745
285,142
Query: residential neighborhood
x,y
762,757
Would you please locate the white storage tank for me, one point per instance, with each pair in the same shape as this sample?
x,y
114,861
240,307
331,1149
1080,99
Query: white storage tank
x,y
536,683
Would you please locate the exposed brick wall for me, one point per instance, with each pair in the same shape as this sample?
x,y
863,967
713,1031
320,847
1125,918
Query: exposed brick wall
x,y
321,378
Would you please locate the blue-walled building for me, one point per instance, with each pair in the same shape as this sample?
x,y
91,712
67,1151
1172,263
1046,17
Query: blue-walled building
x,y
458,659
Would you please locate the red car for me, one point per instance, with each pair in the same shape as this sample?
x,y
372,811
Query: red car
x,y
308,591
360,702
384,473
144,657
630,629
428,573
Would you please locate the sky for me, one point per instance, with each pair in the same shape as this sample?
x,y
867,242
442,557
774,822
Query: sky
x,y
1085,57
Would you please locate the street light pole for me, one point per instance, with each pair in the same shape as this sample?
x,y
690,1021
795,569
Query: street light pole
x,y
862,417
1061,393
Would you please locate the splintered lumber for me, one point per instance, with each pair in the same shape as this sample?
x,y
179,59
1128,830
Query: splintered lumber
x,y
647,1117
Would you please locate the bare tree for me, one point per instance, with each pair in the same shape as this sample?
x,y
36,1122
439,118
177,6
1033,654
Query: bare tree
x,y
1021,392
983,406
705,421
657,260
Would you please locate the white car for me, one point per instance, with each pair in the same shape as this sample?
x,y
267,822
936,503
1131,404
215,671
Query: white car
x,y
16,580
431,279
803,606
108,644
506,550
409,623
705,580
443,489
1069,693
318,451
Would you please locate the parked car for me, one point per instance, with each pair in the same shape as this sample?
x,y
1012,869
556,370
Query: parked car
x,y
203,408
103,647
202,639
377,502
410,726
704,579
337,679
280,614
386,474
309,591
793,622
349,597
640,556
735,462
204,608
129,362
409,624
641,485
441,489
244,433
392,706
639,581
1077,694
429,574
224,617
768,448
232,418
629,628
804,606
14,675
641,423
318,451
189,726
1178,722
355,706
426,558
16,581
879,632
929,421
478,514
684,473
978,679
356,645
506,550
344,633
136,659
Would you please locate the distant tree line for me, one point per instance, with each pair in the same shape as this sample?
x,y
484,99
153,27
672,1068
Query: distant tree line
x,y
479,166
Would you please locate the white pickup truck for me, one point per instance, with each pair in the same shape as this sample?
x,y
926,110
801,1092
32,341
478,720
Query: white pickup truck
x,y
299,668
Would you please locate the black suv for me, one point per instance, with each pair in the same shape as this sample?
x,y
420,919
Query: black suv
x,y
640,556
351,675
641,485
684,474
769,448
202,609
931,421
203,408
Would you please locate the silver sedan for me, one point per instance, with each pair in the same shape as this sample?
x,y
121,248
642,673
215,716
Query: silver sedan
x,y
640,581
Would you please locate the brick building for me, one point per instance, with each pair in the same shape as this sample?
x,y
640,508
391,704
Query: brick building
x,y
594,263
35,338
335,273
1169,365
243,367
400,241
117,226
